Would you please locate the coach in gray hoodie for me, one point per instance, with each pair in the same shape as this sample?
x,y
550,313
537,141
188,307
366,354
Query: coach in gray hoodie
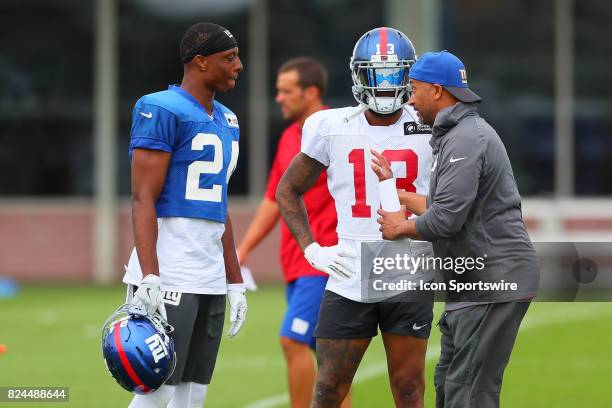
x,y
472,215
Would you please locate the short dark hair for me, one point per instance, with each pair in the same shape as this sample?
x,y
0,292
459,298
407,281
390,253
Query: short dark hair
x,y
310,73
192,40
205,39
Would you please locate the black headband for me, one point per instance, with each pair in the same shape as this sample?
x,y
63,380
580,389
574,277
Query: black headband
x,y
220,39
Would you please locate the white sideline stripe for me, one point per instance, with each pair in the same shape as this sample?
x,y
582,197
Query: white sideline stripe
x,y
433,350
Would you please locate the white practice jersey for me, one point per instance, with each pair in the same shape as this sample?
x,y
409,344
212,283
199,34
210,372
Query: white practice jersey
x,y
190,256
344,147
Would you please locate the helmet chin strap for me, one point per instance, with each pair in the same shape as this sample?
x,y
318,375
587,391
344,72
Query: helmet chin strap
x,y
362,108
375,107
383,104
416,120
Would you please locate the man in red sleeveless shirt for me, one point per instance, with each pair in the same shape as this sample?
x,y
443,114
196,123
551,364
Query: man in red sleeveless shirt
x,y
300,84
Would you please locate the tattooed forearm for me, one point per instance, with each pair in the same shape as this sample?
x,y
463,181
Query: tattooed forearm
x,y
302,173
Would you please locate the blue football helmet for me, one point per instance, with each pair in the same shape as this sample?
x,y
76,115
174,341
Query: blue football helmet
x,y
379,66
138,349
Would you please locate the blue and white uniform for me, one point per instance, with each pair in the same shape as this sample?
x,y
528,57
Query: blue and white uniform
x,y
192,206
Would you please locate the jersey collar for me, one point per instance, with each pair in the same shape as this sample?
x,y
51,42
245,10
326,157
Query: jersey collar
x,y
190,98
399,121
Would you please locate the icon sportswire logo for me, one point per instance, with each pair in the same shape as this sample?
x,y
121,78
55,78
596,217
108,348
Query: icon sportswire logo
x,y
148,115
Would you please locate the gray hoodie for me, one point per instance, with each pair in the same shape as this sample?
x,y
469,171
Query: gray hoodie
x,y
474,209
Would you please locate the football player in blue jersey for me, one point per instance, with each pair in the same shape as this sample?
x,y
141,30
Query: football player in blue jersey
x,y
183,149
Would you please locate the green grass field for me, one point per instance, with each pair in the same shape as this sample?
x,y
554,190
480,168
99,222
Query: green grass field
x,y
562,358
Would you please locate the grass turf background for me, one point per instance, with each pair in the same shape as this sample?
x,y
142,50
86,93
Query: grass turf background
x,y
562,358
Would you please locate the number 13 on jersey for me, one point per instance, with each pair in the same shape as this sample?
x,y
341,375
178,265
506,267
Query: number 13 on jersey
x,y
357,158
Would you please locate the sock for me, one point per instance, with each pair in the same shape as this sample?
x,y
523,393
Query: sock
x,y
189,395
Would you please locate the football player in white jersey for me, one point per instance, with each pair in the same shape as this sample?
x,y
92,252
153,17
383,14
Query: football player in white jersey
x,y
344,141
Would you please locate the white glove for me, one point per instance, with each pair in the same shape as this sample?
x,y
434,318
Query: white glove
x,y
238,307
150,295
336,261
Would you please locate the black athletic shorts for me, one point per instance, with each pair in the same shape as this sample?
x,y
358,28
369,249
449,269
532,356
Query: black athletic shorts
x,y
342,318
198,327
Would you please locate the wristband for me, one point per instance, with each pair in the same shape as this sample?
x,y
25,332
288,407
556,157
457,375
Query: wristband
x,y
236,287
389,200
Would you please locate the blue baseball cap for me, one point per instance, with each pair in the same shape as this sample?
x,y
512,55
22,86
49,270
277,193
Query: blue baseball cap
x,y
443,68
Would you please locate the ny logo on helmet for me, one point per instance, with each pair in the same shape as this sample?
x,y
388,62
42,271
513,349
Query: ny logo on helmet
x,y
157,347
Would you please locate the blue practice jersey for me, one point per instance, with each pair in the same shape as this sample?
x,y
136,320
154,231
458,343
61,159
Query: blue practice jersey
x,y
204,151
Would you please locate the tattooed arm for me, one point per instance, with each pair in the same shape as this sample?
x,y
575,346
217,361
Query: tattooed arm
x,y
337,261
302,173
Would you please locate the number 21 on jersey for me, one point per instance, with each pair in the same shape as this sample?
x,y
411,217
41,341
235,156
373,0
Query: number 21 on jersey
x,y
357,158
